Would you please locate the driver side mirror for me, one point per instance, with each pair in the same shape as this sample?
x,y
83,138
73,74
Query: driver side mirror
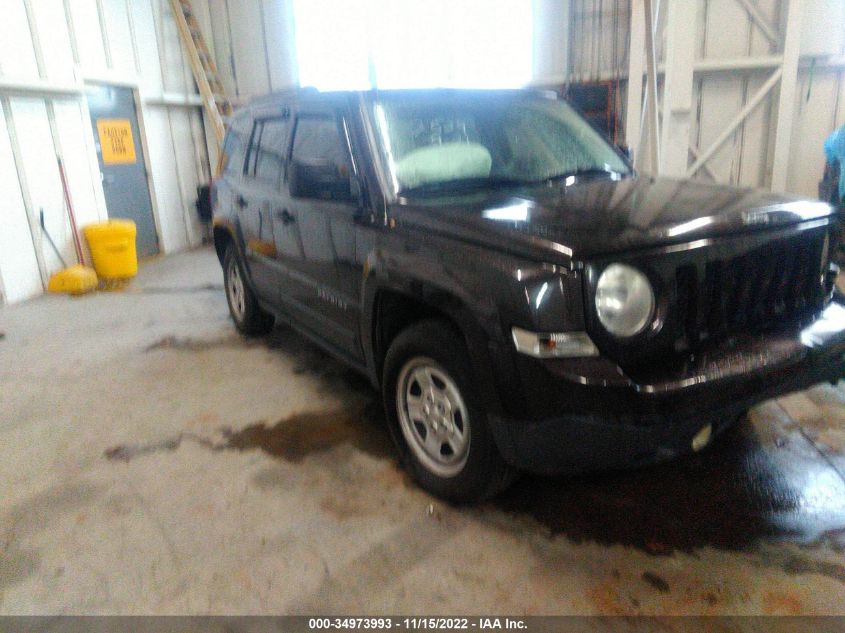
x,y
322,180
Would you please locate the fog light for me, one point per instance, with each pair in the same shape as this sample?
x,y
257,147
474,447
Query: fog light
x,y
702,438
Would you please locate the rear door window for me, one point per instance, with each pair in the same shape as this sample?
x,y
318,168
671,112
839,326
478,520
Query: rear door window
x,y
267,151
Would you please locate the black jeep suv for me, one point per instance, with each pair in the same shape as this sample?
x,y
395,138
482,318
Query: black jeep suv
x,y
520,296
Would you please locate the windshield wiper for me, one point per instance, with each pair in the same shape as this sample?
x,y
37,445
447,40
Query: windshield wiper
x,y
463,184
583,171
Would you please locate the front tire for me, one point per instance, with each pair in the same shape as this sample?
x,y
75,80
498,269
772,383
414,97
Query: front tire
x,y
250,319
435,416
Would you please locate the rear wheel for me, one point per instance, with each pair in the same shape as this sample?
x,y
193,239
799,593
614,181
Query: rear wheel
x,y
435,417
249,317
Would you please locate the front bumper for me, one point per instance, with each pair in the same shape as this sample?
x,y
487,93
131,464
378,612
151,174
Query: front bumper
x,y
615,418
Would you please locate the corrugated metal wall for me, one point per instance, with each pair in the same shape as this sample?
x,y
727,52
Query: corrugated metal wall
x,y
599,51
43,113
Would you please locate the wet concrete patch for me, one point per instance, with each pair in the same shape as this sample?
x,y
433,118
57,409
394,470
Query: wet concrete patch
x,y
797,565
304,434
292,438
188,344
175,290
757,483
31,516
656,581
16,566
307,357
128,452
312,360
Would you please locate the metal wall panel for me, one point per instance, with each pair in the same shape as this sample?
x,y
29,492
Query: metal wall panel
x,y
19,275
86,193
250,48
220,38
167,177
119,36
89,37
42,174
815,118
174,68
17,57
725,31
144,22
54,38
190,173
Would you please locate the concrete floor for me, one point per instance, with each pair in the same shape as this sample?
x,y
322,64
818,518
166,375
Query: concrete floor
x,y
153,462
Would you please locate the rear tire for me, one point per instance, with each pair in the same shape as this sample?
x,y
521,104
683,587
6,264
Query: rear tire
x,y
250,319
435,416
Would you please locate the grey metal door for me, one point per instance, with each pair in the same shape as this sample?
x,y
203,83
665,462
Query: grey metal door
x,y
118,141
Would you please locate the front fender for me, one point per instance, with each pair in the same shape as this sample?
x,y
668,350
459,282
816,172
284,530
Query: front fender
x,y
465,284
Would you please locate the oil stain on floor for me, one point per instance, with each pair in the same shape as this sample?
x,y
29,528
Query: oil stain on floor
x,y
292,439
301,435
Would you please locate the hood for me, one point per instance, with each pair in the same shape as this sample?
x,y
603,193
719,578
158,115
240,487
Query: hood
x,y
599,217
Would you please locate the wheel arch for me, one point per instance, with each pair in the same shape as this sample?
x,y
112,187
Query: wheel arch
x,y
391,309
223,237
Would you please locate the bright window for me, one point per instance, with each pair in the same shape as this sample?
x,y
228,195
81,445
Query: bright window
x,y
358,44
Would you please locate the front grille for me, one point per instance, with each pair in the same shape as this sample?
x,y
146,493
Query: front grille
x,y
775,284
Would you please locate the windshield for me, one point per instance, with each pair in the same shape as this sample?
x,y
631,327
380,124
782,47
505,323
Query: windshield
x,y
448,142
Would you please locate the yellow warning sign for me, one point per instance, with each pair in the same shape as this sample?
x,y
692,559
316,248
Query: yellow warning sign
x,y
116,141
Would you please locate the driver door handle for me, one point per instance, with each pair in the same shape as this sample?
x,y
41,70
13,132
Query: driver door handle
x,y
285,216
242,203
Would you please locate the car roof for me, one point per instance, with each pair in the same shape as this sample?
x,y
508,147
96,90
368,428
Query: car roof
x,y
312,95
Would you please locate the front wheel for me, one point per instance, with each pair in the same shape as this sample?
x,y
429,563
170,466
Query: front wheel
x,y
435,417
249,317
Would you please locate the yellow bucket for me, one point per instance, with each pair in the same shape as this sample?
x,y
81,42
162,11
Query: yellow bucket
x,y
113,249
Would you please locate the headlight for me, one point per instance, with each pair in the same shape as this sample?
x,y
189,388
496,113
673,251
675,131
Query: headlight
x,y
624,300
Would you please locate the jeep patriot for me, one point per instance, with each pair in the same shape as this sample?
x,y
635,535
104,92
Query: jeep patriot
x,y
520,296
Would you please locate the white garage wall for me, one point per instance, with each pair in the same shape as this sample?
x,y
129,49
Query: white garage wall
x,y
599,51
21,278
49,50
254,45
